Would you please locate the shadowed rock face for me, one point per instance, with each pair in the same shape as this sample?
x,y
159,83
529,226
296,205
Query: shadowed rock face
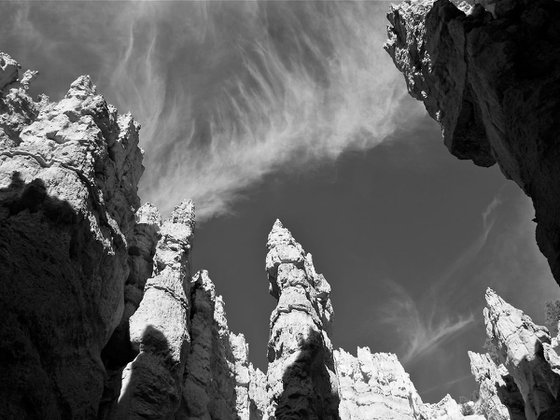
x,y
491,78
68,192
218,375
158,328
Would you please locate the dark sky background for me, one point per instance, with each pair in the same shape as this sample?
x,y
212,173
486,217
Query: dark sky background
x,y
292,110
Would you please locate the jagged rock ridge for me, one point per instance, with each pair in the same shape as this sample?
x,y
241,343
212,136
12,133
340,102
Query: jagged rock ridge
x,y
101,317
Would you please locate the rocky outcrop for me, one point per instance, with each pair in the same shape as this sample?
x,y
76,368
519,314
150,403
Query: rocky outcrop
x,y
119,350
375,386
489,73
305,378
301,379
524,349
100,314
68,193
152,382
498,395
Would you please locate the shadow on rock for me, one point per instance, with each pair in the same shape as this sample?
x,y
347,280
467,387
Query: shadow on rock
x,y
46,338
309,392
149,389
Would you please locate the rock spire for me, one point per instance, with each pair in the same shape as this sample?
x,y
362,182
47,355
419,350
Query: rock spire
x,y
301,379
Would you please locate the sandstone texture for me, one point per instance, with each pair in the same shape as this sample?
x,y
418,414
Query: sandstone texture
x,y
489,73
375,386
499,397
68,194
301,379
523,348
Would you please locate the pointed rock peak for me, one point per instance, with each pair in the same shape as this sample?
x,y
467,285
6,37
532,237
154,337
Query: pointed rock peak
x,y
282,248
148,214
82,87
279,235
495,303
183,213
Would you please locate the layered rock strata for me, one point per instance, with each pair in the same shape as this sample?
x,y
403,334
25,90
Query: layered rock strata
x,y
68,193
489,73
301,379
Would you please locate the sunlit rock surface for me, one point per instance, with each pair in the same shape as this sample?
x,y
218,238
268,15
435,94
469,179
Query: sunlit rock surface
x,y
68,193
152,382
306,379
491,78
520,346
301,379
375,386
499,397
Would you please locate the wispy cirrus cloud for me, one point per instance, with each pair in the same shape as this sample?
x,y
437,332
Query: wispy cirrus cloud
x,y
421,329
228,92
426,322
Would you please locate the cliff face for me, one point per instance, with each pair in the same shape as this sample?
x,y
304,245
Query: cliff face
x,y
68,179
489,73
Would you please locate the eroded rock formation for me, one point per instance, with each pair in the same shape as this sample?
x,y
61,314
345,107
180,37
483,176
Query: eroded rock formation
x,y
301,379
519,346
100,315
489,73
499,397
68,193
102,318
375,386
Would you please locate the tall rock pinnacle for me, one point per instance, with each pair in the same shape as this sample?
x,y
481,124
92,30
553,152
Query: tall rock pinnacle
x,y
301,379
152,382
520,345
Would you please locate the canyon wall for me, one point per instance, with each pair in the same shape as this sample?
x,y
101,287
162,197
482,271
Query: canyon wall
x,y
489,73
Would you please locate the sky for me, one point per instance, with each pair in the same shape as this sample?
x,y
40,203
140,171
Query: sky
x,y
292,110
